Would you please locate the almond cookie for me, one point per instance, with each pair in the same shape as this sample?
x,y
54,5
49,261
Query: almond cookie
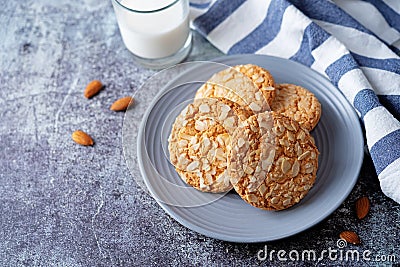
x,y
298,103
273,162
261,78
235,86
200,142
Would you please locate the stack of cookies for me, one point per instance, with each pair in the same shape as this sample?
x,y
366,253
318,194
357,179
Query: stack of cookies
x,y
245,132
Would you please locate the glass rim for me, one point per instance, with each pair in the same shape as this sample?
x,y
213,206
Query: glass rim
x,y
146,11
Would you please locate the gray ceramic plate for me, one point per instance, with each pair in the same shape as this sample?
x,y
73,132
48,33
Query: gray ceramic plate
x,y
227,217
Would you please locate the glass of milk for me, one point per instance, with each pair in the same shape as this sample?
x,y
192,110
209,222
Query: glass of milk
x,y
155,31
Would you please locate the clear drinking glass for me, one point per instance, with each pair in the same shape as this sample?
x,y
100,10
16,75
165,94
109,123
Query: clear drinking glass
x,y
155,31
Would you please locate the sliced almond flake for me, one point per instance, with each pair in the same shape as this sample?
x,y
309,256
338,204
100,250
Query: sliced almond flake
x,y
192,166
271,156
258,96
262,189
193,140
234,180
209,178
221,177
185,136
301,135
223,116
241,142
220,140
196,147
206,167
290,136
259,80
275,200
200,126
286,202
295,128
309,170
288,126
202,184
229,122
190,110
204,108
295,168
249,170
252,198
258,169
285,165
206,142
227,180
182,160
183,143
224,108
253,106
219,154
265,164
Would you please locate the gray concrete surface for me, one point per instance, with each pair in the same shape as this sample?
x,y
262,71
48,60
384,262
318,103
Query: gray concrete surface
x,y
66,205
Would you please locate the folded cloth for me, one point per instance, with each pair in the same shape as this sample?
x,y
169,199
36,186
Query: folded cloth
x,y
351,42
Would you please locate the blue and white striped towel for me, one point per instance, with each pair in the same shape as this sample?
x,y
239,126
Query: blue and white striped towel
x,y
352,42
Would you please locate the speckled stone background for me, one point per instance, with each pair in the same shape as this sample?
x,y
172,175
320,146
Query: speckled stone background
x,y
66,205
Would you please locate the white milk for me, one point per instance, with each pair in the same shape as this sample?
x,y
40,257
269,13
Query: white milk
x,y
156,34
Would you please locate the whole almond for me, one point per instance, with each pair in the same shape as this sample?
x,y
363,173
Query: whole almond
x,y
82,138
93,88
122,103
362,207
350,237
